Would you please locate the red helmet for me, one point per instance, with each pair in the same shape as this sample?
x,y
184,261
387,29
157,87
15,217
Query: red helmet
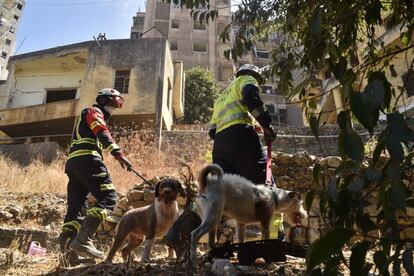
x,y
114,97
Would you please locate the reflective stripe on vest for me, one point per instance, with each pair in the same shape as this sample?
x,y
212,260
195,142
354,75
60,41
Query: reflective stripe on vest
x,y
82,146
77,153
84,141
228,108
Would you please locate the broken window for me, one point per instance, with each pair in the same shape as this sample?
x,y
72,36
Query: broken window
x,y
12,29
122,80
4,55
16,17
19,6
58,95
8,42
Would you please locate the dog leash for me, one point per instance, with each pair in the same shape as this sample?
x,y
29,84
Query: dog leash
x,y
269,177
140,176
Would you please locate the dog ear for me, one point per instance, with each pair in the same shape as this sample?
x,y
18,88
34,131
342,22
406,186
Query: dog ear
x,y
157,189
293,195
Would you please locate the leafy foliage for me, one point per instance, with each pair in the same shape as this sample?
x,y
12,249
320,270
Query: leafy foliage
x,y
201,90
315,35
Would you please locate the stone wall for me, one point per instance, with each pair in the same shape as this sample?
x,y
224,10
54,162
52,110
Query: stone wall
x,y
287,141
26,153
293,172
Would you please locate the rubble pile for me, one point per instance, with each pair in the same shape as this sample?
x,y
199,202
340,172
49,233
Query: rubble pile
x,y
294,171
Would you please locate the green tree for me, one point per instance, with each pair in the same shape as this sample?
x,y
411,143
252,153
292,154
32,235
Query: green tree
x,y
201,90
317,34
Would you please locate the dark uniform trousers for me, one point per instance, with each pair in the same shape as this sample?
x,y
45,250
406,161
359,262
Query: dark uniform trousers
x,y
88,176
238,150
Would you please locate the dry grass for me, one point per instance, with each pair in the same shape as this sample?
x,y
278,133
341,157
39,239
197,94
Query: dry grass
x,y
37,177
140,149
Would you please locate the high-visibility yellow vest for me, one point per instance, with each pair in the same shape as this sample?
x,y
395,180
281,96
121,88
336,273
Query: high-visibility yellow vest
x,y
228,108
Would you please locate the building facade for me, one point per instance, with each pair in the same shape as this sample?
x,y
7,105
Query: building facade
x,y
281,112
399,74
137,28
10,14
192,42
46,90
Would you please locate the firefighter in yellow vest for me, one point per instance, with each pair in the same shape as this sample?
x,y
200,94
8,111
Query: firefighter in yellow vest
x,y
237,147
88,174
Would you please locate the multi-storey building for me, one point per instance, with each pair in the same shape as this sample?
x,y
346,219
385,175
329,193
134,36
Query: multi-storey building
x,y
280,110
137,28
399,74
194,43
46,90
10,13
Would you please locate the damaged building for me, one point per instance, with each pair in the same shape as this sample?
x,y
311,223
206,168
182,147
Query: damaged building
x,y
46,90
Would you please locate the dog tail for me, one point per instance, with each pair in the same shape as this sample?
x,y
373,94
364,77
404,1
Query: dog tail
x,y
210,169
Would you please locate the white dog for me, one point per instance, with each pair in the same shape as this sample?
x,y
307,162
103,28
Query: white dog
x,y
242,200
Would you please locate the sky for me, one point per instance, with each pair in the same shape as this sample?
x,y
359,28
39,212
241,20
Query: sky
x,y
49,23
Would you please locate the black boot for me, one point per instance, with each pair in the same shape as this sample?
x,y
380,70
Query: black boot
x,y
68,257
82,244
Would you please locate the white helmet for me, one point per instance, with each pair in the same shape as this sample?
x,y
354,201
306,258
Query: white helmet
x,y
114,97
251,70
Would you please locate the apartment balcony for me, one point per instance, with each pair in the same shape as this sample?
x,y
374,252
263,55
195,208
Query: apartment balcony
x,y
46,119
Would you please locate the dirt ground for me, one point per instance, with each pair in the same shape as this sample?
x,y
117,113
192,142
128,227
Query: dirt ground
x,y
25,217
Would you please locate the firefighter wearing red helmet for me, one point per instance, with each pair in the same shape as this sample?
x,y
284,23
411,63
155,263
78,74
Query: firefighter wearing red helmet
x,y
88,174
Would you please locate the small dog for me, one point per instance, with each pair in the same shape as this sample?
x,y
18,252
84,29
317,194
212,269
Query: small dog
x,y
242,200
150,221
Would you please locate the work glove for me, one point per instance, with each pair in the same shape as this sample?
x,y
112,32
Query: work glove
x,y
269,134
124,161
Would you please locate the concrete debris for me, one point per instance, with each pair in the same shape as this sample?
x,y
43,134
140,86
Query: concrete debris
x,y
331,161
5,216
14,210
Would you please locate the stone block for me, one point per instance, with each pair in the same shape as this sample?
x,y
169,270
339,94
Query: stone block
x,y
5,216
118,212
149,196
331,162
14,210
123,203
135,195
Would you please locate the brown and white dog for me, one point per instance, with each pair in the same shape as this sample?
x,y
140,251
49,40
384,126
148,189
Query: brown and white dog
x,y
150,221
242,200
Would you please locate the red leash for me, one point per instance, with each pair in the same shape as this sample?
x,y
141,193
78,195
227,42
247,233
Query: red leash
x,y
269,178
